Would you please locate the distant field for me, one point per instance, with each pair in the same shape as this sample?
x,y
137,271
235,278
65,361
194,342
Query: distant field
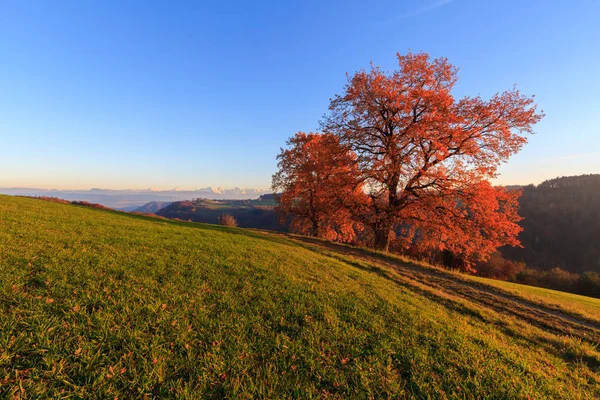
x,y
101,304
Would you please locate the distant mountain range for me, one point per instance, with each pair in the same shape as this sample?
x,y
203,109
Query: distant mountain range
x,y
131,199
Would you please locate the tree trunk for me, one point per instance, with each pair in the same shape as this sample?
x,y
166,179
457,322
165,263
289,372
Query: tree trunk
x,y
383,228
316,228
382,238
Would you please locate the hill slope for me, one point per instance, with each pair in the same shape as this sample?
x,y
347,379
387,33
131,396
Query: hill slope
x,y
101,304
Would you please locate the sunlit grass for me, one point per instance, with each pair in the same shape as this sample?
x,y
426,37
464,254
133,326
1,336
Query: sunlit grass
x,y
588,307
98,304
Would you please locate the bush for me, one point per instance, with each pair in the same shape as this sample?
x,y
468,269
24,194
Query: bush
x,y
498,267
559,279
529,276
589,284
92,205
227,220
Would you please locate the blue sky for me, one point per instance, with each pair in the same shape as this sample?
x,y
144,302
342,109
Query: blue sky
x,y
136,94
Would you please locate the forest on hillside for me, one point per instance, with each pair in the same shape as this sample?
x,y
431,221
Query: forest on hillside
x,y
561,225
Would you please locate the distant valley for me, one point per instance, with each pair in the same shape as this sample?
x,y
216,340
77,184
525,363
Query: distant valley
x,y
258,214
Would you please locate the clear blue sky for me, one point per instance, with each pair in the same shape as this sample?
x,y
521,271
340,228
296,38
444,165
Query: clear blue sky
x,y
135,94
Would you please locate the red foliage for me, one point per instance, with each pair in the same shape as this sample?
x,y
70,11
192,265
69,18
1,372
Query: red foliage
x,y
51,199
498,267
317,184
227,220
91,205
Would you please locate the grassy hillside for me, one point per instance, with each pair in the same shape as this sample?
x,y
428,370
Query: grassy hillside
x,y
100,304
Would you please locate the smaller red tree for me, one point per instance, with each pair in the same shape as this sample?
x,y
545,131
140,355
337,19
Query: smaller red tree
x,y
317,182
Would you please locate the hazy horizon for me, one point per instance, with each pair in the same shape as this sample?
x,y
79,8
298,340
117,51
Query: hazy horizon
x,y
498,182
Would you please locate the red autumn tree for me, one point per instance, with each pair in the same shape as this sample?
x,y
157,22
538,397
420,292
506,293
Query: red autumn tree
x,y
425,158
316,182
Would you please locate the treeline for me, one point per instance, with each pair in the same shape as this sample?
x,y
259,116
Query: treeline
x,y
498,267
74,202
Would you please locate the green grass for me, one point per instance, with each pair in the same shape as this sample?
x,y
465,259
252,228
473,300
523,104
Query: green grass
x,y
100,304
571,303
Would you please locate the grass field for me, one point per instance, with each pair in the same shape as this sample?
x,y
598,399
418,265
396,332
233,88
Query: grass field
x,y
101,304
